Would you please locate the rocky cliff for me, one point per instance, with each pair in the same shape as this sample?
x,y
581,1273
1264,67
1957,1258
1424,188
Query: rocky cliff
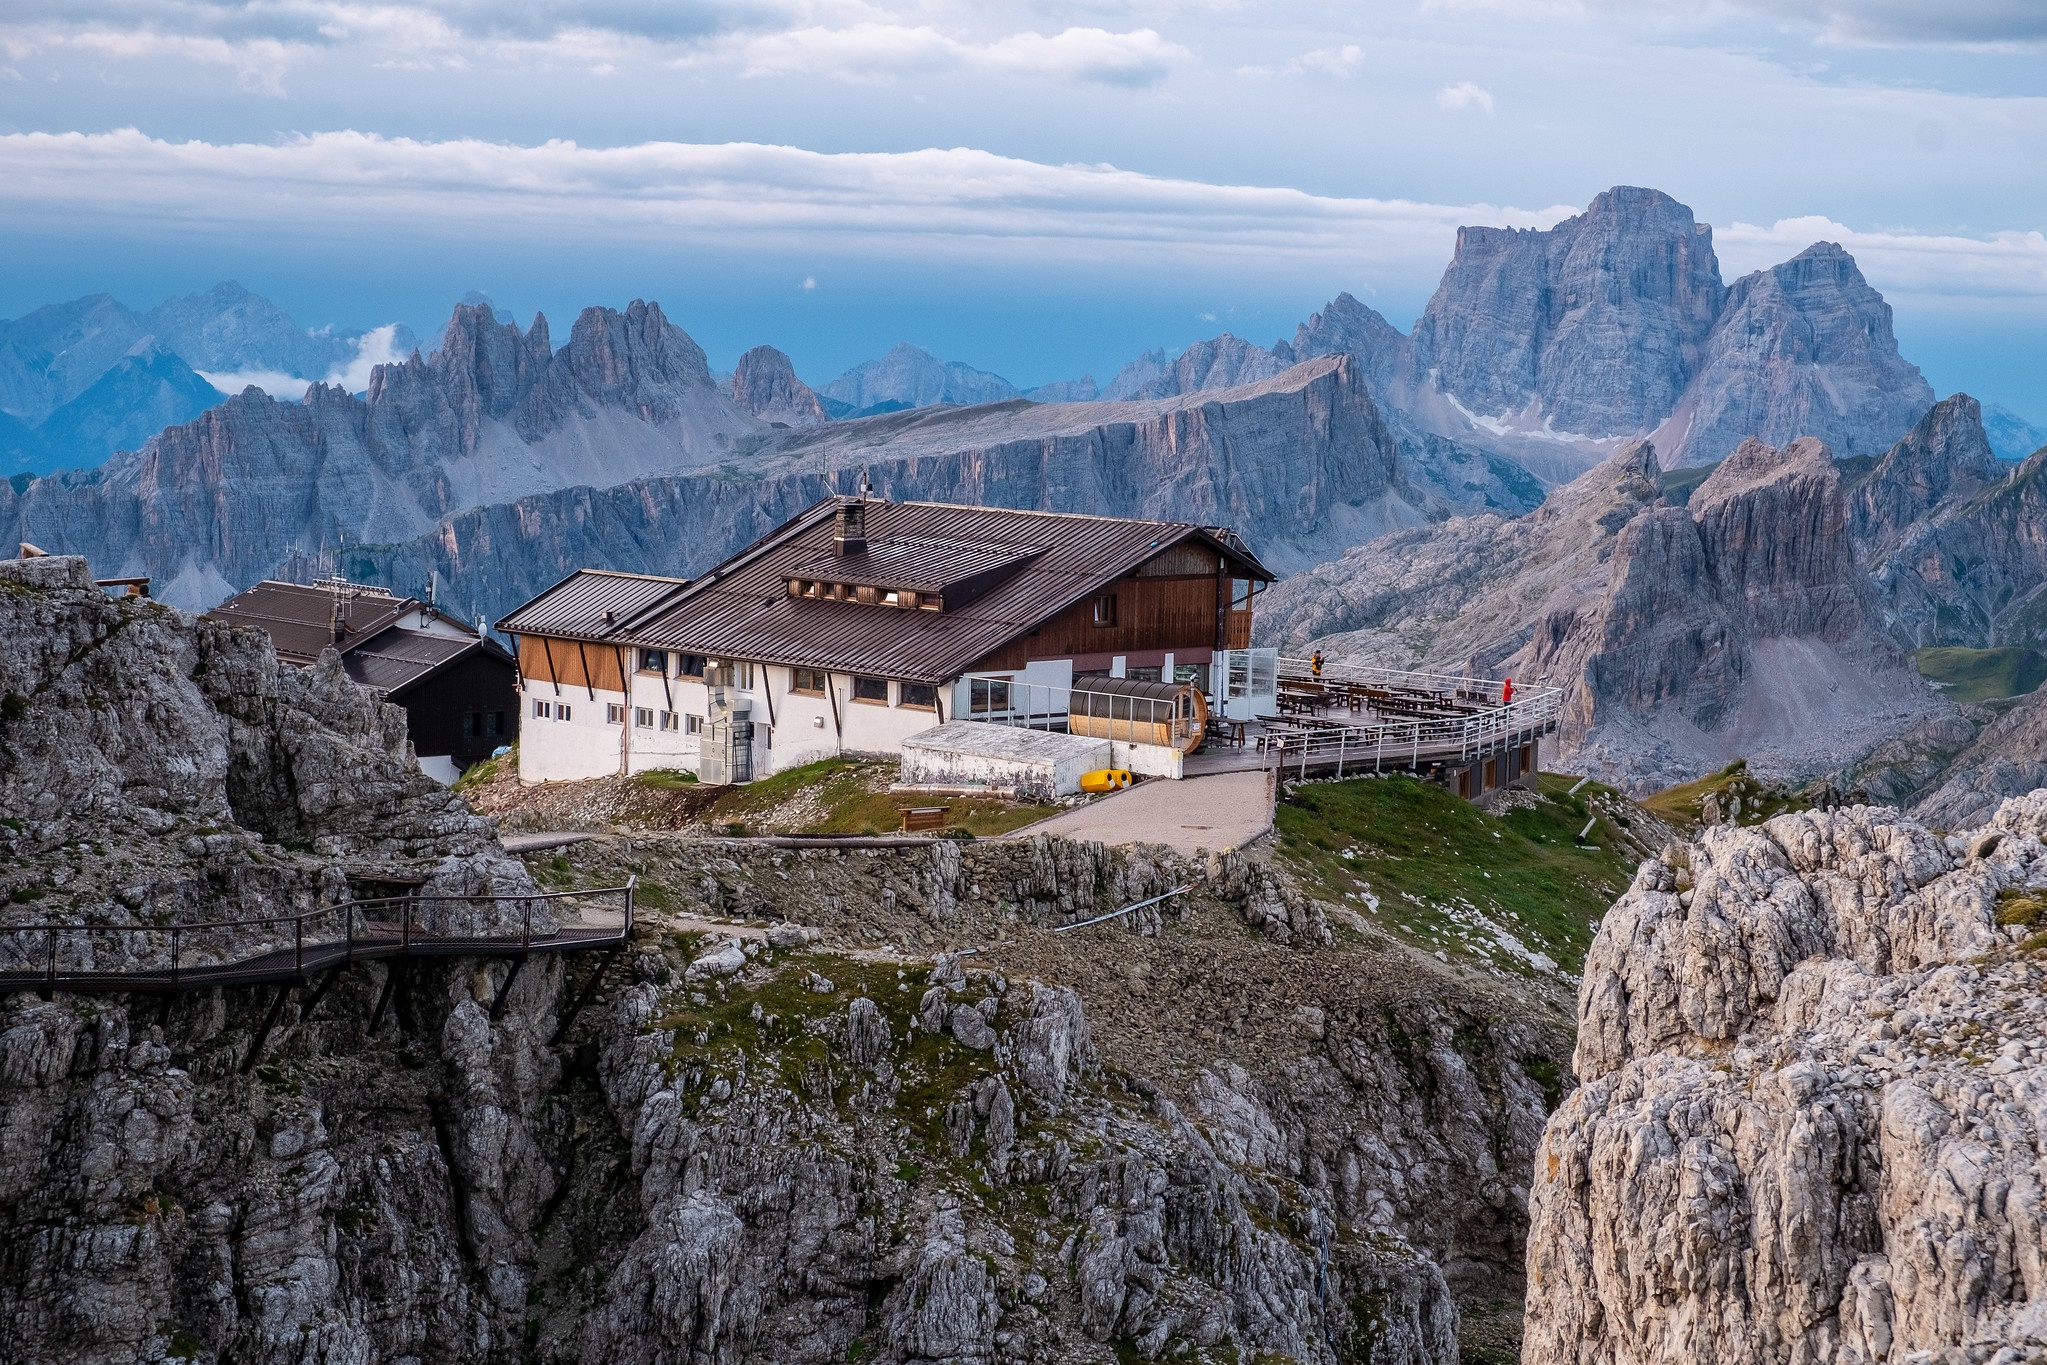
x,y
1592,327
1211,1131
1813,1092
1955,540
1301,465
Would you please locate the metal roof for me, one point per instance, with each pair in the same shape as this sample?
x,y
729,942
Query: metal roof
x,y
397,658
743,610
299,618
590,604
922,563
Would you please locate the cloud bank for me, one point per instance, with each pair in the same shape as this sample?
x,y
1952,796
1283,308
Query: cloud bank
x,y
958,200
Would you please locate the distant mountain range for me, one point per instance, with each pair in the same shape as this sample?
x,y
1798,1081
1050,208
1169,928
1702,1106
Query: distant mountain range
x,y
1554,348
81,380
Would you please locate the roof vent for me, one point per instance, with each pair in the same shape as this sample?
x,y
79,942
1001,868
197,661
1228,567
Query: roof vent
x,y
849,534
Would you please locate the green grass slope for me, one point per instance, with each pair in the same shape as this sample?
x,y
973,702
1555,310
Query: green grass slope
x,y
1970,675
1511,891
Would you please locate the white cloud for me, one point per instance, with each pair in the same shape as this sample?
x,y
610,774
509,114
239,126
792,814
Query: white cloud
x,y
876,51
843,39
958,202
373,348
2003,265
276,383
809,283
1465,95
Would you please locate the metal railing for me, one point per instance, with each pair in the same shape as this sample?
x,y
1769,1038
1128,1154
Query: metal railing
x,y
46,956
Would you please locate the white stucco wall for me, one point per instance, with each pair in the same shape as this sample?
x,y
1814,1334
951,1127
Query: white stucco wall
x,y
555,750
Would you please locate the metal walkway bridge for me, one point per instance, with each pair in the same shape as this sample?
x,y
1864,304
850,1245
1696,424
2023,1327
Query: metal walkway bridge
x,y
288,951
1351,719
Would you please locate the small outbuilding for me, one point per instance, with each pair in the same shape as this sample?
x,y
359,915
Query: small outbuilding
x,y
459,687
1036,765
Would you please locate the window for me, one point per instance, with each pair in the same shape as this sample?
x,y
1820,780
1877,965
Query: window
x,y
561,710
541,710
653,661
614,713
986,695
1143,674
493,724
1105,609
692,725
489,724
733,673
643,717
871,689
690,665
810,680
671,720
1192,673
920,694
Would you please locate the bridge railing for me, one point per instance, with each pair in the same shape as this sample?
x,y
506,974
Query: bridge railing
x,y
1496,720
167,955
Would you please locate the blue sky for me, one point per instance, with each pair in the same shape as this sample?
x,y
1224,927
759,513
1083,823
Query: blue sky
x,y
1039,188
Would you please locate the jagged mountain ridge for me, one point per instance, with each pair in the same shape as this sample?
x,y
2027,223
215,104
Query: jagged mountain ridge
x,y
495,413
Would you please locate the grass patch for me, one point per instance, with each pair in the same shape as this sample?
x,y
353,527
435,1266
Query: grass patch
x,y
1740,799
488,771
1972,675
665,779
1447,876
851,796
2018,907
1678,485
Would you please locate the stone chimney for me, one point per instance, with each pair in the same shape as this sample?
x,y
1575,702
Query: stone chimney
x,y
849,534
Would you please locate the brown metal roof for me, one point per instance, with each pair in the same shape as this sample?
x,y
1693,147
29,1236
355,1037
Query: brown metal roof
x,y
299,617
922,563
398,658
742,609
590,604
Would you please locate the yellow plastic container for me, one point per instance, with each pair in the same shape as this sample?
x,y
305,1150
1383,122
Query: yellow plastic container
x,y
1106,780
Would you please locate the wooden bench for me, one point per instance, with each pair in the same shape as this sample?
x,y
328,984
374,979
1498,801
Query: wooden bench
x,y
923,817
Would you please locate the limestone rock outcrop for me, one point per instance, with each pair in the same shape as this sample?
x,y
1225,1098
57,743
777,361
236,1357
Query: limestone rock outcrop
x,y
764,385
1811,1123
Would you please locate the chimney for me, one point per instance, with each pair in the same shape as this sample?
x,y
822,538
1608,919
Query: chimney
x,y
849,535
